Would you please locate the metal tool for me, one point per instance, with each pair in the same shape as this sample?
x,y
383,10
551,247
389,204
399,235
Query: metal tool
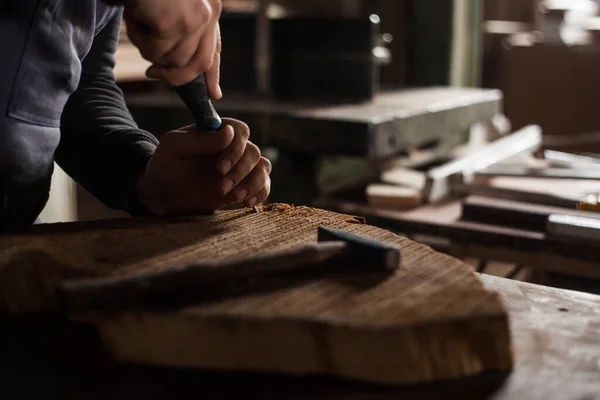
x,y
359,253
195,96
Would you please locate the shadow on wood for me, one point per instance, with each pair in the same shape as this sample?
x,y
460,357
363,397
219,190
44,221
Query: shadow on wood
x,y
68,361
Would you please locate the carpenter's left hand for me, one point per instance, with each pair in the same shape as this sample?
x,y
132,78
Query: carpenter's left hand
x,y
192,173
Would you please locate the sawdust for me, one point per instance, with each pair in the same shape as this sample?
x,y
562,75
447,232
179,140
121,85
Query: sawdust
x,y
274,207
357,220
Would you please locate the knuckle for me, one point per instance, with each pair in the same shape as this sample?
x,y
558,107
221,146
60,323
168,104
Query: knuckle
x,y
189,24
165,27
236,176
205,9
204,65
201,14
217,6
152,52
243,130
204,62
254,151
265,192
263,182
266,164
178,60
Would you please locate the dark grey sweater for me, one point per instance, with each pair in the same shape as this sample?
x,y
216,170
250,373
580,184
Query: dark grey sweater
x,y
60,103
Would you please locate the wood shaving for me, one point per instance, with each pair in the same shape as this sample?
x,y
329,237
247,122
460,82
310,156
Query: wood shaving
x,y
273,207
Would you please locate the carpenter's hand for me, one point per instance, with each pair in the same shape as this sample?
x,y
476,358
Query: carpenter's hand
x,y
192,173
181,38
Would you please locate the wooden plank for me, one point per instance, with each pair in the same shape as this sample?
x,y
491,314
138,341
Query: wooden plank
x,y
439,184
393,197
569,160
522,194
502,212
573,228
564,193
556,343
501,243
587,173
431,320
436,183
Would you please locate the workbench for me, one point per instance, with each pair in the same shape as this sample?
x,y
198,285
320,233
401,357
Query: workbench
x,y
526,245
556,335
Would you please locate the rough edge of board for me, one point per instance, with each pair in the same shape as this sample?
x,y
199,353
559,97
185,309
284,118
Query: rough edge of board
x,y
396,357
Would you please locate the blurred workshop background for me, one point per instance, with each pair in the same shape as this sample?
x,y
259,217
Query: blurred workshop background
x,y
354,101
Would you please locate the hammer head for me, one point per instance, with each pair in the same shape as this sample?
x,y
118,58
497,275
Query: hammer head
x,y
364,251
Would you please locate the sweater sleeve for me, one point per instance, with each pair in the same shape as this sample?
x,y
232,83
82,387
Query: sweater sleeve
x,y
101,146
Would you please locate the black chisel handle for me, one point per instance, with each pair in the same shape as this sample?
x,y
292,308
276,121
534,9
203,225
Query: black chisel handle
x,y
195,96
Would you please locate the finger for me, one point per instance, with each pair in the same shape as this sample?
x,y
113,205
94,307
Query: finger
x,y
181,54
168,20
187,143
242,169
254,182
179,76
229,159
200,63
185,51
150,48
213,75
260,197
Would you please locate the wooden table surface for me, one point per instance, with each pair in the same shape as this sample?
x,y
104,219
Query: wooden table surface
x,y
556,337
557,341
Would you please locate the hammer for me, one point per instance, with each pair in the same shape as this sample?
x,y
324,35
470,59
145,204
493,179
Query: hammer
x,y
354,252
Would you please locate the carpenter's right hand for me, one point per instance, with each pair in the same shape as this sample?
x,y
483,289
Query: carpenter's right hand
x,y
181,38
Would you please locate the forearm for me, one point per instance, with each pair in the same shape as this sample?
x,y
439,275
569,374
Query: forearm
x,y
101,146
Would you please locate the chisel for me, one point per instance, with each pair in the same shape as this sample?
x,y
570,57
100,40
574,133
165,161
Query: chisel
x,y
195,96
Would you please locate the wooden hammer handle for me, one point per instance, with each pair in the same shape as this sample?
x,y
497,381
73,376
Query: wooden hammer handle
x,y
91,293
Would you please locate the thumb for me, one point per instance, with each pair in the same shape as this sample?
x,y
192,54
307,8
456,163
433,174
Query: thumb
x,y
187,142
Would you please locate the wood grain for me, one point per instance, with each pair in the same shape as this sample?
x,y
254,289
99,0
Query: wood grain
x,y
431,320
556,336
556,342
